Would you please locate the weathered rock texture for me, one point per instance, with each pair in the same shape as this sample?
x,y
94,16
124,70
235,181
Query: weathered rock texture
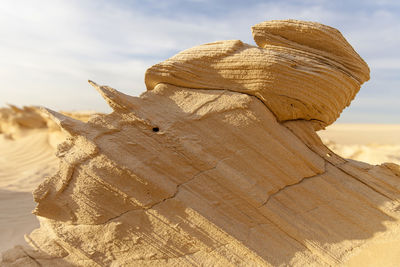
x,y
301,70
218,164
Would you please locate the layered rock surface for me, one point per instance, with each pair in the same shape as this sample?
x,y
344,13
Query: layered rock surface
x,y
300,70
218,163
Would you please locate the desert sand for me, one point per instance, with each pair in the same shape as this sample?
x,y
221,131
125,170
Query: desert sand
x,y
218,163
23,165
371,143
27,144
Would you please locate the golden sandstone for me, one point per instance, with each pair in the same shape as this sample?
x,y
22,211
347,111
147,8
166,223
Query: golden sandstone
x,y
218,164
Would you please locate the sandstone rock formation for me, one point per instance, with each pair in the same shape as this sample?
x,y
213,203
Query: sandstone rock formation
x,y
300,70
218,163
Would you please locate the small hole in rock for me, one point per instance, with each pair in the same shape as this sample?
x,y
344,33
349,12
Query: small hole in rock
x,y
156,129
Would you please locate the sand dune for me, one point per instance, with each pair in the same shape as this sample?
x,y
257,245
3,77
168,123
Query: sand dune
x,y
24,163
372,143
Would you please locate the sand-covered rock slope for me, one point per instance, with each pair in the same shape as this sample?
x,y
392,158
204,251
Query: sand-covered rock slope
x,y
219,164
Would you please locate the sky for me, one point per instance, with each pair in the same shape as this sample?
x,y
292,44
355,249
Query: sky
x,y
50,48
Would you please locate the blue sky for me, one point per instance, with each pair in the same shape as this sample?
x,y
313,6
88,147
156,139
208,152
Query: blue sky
x,y
50,48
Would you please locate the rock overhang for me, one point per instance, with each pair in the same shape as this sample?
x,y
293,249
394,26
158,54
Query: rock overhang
x,y
299,70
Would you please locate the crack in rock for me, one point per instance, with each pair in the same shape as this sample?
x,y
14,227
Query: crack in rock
x,y
173,195
294,184
191,179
